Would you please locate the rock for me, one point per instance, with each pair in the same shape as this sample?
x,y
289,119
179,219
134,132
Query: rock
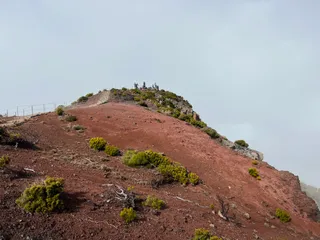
x,y
247,215
196,116
272,226
211,225
266,224
233,205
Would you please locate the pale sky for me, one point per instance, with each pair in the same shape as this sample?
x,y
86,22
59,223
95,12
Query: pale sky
x,y
249,68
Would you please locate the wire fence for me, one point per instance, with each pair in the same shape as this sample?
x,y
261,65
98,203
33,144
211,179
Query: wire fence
x,y
29,110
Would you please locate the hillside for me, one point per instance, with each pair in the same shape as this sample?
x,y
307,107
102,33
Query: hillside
x,y
312,192
227,201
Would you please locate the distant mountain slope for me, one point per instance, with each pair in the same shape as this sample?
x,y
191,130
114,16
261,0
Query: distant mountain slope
x,y
312,192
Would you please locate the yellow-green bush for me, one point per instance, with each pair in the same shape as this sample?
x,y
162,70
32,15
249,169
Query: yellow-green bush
x,y
43,198
283,215
211,132
193,178
128,215
253,172
255,162
172,171
242,143
97,143
154,202
89,95
212,206
204,234
59,111
112,150
199,124
4,160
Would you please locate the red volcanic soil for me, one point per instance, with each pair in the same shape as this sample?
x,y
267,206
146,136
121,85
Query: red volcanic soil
x,y
89,176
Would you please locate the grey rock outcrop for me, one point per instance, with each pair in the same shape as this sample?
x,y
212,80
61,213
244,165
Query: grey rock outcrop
x,y
253,154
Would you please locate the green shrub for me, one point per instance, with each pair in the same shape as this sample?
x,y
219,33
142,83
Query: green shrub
x,y
199,124
71,118
186,117
193,178
136,98
242,143
174,172
42,198
176,113
147,95
171,171
170,95
82,99
168,103
112,150
59,111
154,202
128,215
78,127
97,143
253,172
4,160
212,206
283,215
211,132
89,95
204,234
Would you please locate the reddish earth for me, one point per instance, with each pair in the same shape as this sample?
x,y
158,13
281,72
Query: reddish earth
x,y
65,153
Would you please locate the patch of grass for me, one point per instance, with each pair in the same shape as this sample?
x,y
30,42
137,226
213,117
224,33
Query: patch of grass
x,y
128,215
136,98
242,143
97,143
283,215
71,118
204,234
112,150
211,132
43,198
185,117
253,172
4,161
154,202
59,111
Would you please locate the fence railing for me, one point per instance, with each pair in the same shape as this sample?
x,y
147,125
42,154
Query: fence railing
x,y
29,110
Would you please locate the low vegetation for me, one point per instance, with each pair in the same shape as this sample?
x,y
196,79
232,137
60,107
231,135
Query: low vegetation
x,y
112,150
254,173
128,215
204,234
89,95
78,127
283,215
43,198
154,202
255,162
4,161
82,99
171,171
211,132
242,143
97,143
71,118
59,110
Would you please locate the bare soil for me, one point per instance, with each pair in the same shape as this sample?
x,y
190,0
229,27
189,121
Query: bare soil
x,y
90,177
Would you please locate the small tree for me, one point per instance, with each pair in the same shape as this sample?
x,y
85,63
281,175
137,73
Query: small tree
x,y
136,86
144,85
